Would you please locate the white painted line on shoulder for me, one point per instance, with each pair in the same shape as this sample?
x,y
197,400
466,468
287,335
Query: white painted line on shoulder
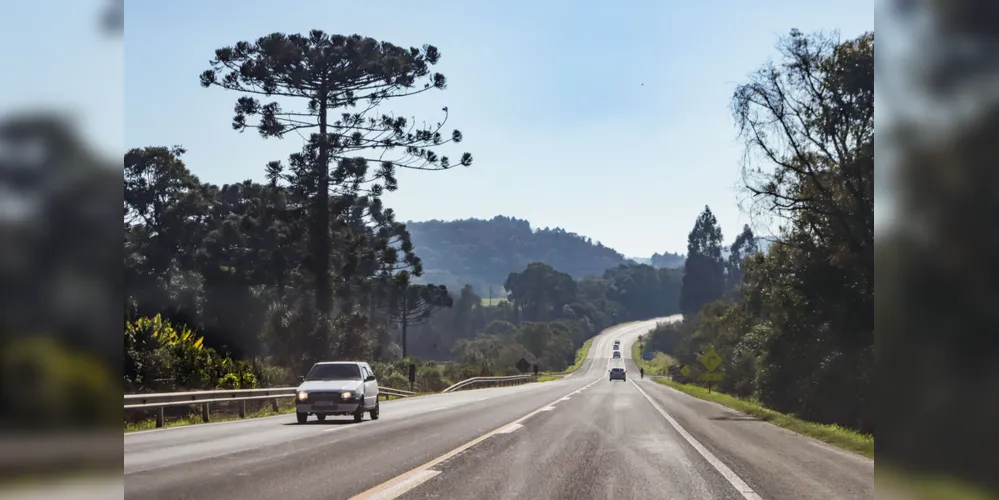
x,y
547,408
722,469
418,475
337,428
437,408
510,428
399,489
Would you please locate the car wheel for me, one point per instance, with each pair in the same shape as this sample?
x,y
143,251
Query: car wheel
x,y
321,417
359,414
374,413
625,379
302,417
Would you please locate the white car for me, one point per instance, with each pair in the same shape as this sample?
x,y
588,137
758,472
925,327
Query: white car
x,y
337,388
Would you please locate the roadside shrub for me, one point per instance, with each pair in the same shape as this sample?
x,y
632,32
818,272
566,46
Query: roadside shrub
x,y
430,380
162,356
395,381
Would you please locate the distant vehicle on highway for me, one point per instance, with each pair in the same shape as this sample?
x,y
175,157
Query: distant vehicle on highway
x,y
617,344
618,373
337,388
617,354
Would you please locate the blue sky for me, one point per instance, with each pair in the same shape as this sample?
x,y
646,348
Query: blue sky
x,y
549,96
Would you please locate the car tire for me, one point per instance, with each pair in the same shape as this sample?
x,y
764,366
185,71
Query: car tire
x,y
359,414
625,379
375,412
321,417
302,417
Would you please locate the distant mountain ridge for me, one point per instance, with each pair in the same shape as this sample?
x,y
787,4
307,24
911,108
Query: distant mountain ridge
x,y
483,252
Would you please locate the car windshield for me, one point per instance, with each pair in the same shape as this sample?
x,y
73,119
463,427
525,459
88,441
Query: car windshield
x,y
343,371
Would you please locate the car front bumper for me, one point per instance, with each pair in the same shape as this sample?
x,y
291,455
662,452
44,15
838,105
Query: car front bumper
x,y
618,377
319,407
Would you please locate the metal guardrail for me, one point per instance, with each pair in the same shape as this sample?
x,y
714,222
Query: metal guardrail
x,y
511,380
162,400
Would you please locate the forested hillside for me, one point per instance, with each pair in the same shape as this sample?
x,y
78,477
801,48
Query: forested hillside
x,y
482,253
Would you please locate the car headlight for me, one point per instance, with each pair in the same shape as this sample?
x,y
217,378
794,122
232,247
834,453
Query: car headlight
x,y
302,395
350,394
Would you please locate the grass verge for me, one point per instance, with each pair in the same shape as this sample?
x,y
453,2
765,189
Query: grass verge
x,y
835,435
830,433
547,378
659,365
581,354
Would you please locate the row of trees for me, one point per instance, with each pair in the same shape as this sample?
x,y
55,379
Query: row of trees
x,y
795,325
251,282
547,317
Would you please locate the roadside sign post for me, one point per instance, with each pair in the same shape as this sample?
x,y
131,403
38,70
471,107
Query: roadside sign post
x,y
711,360
412,377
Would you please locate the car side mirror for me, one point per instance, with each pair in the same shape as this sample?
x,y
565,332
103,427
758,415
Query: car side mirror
x,y
371,378
301,378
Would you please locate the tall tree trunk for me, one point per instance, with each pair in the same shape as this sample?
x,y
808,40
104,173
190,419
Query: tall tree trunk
x,y
321,230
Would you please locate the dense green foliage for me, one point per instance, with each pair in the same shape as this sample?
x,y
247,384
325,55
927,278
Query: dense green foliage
x,y
162,356
795,325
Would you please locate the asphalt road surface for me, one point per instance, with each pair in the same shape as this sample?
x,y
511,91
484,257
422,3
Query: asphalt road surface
x,y
582,437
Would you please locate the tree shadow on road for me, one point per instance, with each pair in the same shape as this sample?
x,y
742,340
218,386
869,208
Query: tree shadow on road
x,y
736,418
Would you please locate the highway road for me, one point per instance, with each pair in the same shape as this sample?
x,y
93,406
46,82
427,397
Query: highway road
x,y
582,437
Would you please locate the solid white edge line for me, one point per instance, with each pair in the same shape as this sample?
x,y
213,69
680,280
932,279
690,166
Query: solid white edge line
x,y
722,469
413,476
510,428
405,486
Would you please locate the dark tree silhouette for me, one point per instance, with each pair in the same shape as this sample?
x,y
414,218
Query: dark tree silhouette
x,y
415,304
343,81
